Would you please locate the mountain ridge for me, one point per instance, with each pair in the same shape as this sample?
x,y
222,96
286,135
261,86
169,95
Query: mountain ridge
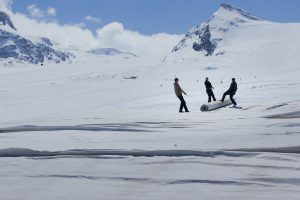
x,y
5,20
15,48
206,36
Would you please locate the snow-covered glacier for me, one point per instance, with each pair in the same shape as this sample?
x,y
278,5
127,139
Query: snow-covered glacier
x,y
86,131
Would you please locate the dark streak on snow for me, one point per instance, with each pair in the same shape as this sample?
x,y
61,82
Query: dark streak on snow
x,y
141,126
289,181
127,179
277,106
152,181
288,115
115,127
226,165
292,150
213,182
99,127
285,133
78,157
18,152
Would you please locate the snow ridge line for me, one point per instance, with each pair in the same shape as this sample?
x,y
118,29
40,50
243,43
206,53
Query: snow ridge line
x,y
19,152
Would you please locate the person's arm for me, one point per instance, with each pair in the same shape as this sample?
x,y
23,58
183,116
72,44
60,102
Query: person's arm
x,y
182,90
211,87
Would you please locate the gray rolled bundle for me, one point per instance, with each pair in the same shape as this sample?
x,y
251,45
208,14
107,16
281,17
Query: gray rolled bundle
x,y
215,105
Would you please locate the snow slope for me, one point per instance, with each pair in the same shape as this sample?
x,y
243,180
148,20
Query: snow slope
x,y
89,131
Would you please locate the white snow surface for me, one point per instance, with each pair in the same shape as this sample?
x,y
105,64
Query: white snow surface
x,y
89,130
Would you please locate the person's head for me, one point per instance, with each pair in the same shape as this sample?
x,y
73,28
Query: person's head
x,y
176,80
233,79
206,78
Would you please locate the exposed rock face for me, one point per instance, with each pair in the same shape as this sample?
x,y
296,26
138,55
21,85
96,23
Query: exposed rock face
x,y
205,37
5,20
20,49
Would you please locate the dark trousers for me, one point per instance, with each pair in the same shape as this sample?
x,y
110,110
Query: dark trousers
x,y
231,97
210,94
182,104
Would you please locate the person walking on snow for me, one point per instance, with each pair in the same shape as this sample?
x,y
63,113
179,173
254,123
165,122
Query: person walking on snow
x,y
178,92
231,92
209,90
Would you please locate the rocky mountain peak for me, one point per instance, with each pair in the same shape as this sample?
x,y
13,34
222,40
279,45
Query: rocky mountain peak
x,y
206,36
244,13
5,20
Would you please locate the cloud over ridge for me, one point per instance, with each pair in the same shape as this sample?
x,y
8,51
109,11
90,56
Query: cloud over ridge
x,y
113,35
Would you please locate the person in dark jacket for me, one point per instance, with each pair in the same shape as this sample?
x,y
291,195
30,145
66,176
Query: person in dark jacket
x,y
178,93
209,90
231,92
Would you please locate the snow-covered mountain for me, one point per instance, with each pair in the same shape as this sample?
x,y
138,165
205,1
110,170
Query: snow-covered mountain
x,y
206,37
111,52
5,20
16,48
237,43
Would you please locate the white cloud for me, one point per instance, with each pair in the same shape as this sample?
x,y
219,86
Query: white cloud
x,y
35,12
113,35
90,18
65,35
51,11
5,5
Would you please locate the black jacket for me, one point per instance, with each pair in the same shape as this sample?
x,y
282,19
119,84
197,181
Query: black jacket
x,y
233,88
208,85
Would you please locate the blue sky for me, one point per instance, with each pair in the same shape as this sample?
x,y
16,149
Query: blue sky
x,y
155,16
